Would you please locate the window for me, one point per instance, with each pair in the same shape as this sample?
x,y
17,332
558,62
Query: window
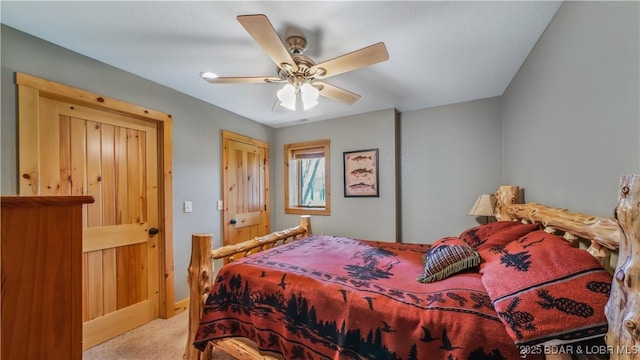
x,y
307,181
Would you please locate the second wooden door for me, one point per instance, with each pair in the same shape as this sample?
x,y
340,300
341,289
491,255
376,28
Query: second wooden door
x,y
245,188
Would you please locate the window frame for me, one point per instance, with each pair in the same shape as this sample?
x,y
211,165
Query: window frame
x,y
307,146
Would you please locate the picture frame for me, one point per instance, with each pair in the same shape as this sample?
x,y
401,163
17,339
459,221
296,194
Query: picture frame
x,y
361,177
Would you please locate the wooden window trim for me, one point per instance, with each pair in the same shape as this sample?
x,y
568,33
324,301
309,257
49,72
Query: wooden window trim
x,y
289,149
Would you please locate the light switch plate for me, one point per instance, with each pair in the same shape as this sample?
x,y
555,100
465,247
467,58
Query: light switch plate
x,y
220,205
188,207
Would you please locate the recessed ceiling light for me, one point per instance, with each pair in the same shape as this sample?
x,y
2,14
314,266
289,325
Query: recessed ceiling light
x,y
208,75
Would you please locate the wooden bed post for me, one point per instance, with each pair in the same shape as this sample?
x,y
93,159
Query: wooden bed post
x,y
199,277
305,223
623,308
506,195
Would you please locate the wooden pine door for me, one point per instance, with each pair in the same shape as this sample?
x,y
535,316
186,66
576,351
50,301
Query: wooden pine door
x,y
246,188
85,151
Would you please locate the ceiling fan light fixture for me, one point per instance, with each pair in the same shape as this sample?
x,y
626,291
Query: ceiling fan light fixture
x,y
287,96
309,95
290,95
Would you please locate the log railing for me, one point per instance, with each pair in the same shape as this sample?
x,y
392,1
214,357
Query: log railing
x,y
236,251
603,234
604,231
200,277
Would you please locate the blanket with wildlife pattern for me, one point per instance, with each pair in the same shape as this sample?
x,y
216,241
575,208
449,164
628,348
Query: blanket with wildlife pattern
x,y
326,297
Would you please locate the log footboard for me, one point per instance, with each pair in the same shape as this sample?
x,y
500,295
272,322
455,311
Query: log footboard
x,y
200,277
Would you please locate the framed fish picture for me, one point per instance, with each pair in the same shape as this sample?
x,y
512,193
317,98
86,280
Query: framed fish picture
x,y
361,173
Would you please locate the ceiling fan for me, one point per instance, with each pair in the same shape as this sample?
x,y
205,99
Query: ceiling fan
x,y
303,77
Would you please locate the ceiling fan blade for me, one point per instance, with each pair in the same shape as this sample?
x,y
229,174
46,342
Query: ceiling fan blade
x,y
244,80
336,93
260,28
369,55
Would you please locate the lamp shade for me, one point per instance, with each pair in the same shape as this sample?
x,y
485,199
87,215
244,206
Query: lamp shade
x,y
484,206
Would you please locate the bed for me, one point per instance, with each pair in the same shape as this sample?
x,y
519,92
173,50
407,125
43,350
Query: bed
x,y
540,282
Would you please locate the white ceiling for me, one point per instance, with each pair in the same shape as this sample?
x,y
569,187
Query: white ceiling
x,y
440,52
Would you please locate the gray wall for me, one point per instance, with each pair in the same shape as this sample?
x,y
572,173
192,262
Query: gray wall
x,y
570,116
450,154
197,130
365,218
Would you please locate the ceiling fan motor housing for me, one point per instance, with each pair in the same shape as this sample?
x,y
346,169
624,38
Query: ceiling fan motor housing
x,y
296,44
304,64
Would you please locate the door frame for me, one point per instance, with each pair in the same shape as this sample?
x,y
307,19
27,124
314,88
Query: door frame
x,y
30,88
226,136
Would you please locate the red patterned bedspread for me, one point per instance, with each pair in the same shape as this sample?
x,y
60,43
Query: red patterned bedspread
x,y
339,298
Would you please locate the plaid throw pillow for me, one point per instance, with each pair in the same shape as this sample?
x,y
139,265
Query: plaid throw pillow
x,y
446,257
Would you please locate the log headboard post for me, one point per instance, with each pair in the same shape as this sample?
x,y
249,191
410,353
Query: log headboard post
x,y
623,308
506,195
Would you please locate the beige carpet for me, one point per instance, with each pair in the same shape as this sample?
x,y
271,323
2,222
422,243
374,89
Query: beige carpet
x,y
161,339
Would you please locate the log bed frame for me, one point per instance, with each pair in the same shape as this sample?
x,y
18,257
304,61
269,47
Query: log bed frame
x,y
602,236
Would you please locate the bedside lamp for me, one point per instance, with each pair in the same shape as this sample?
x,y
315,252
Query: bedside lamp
x,y
484,206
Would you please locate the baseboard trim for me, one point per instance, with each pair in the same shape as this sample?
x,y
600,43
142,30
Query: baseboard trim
x,y
108,326
181,306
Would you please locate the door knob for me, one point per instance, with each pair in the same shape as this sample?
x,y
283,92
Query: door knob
x,y
233,222
153,231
